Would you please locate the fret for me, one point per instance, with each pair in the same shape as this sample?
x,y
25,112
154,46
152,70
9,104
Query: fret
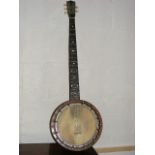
x,y
73,63
74,89
73,78
72,38
72,59
73,55
72,31
74,85
72,34
72,46
73,70
72,26
74,95
73,82
73,42
73,75
73,51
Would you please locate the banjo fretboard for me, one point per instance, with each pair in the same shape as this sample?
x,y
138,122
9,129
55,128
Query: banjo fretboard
x,y
74,92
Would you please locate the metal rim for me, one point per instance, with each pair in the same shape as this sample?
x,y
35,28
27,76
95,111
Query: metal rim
x,y
56,135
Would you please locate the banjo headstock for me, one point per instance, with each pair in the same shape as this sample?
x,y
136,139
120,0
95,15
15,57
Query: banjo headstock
x,y
71,8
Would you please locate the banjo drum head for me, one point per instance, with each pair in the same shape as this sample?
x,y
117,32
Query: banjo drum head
x,y
76,125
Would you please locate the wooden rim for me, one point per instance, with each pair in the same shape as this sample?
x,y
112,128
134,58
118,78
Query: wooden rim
x,y
56,136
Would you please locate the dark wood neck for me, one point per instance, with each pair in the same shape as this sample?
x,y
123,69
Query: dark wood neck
x,y
74,91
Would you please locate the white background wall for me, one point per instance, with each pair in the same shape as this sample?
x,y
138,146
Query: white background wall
x,y
105,42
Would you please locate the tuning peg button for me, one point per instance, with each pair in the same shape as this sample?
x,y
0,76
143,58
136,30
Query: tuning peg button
x,y
76,10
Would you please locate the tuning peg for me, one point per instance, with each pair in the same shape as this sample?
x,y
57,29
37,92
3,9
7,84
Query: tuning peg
x,y
65,12
65,7
76,10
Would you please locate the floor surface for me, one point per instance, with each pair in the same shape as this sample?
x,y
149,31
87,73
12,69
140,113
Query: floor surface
x,y
119,153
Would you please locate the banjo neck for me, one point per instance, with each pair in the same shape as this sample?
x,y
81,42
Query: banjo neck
x,y
74,91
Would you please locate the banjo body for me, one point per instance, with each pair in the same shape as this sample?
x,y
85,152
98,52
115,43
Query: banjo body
x,y
75,124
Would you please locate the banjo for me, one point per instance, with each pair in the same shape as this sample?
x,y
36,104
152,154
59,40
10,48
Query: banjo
x,y
75,124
